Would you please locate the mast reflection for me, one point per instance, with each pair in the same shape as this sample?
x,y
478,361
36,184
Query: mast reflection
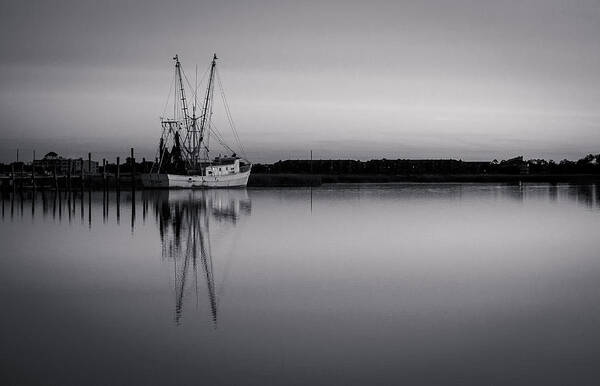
x,y
184,219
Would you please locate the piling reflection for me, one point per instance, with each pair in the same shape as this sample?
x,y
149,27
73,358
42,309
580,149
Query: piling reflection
x,y
57,202
183,218
187,221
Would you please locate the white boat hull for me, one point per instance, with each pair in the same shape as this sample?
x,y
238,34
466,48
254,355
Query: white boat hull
x,y
177,181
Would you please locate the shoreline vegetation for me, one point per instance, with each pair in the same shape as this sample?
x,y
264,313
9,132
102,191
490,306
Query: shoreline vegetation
x,y
514,170
310,173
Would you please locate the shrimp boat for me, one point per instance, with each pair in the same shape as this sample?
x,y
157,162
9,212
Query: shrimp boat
x,y
188,163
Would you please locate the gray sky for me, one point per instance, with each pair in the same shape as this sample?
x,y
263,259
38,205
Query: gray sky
x,y
466,79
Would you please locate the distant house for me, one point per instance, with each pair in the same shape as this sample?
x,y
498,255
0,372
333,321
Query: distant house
x,y
53,161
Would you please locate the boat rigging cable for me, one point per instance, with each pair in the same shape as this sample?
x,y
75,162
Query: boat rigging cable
x,y
229,117
212,128
185,138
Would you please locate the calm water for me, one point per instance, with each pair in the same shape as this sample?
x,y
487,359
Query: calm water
x,y
351,284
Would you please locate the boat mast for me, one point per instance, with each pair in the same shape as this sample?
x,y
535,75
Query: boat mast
x,y
208,100
184,108
180,80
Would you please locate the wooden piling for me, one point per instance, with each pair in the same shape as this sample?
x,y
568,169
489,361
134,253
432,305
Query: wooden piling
x,y
118,199
22,175
81,175
104,173
118,181
103,204
14,181
89,171
33,172
90,208
54,178
69,176
132,170
81,206
33,195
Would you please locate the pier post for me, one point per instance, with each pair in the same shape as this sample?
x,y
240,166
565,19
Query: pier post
x,y
90,208
132,170
118,199
132,191
103,200
69,175
81,175
33,172
104,173
118,173
14,181
89,171
81,206
55,178
22,176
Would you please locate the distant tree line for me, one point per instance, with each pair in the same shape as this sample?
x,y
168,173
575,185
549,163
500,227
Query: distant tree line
x,y
589,164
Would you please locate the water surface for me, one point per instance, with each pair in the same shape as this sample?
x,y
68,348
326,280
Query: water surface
x,y
344,284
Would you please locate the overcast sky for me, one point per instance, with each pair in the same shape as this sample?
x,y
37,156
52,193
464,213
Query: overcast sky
x,y
468,79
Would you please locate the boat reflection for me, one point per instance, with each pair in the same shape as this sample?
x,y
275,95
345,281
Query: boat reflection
x,y
184,220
